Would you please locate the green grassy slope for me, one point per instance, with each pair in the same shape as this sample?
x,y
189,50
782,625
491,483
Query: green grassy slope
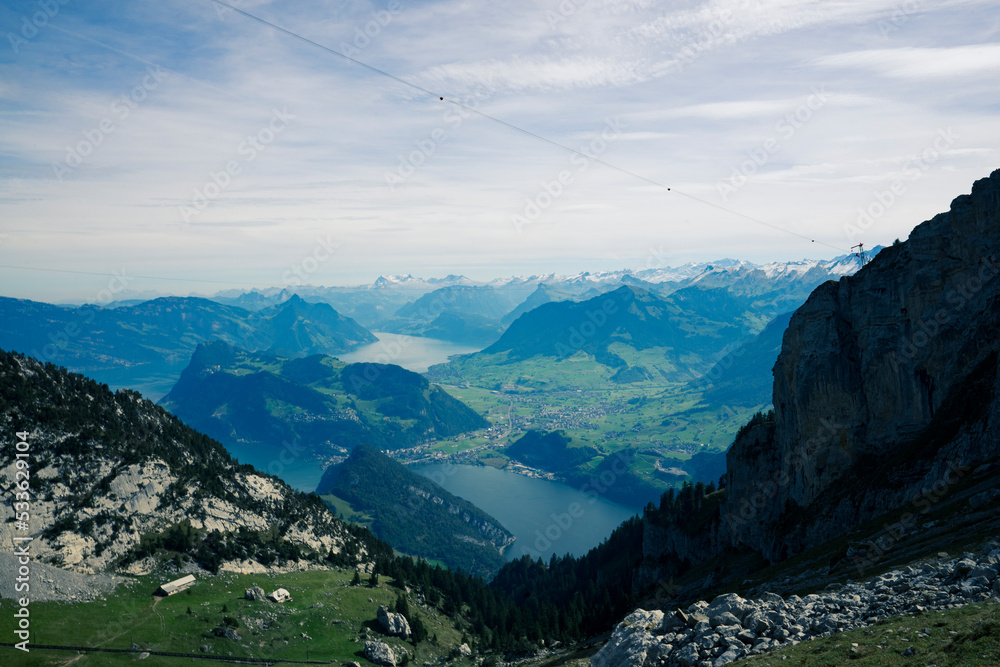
x,y
334,614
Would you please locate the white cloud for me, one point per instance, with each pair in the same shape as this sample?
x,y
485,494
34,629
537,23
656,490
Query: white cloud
x,y
922,62
697,87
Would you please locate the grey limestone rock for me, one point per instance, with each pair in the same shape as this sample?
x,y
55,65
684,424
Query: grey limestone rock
x,y
394,625
255,593
380,653
648,638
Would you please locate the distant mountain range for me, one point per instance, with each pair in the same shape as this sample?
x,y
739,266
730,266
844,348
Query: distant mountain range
x,y
688,327
646,329
145,346
261,405
480,310
459,313
881,453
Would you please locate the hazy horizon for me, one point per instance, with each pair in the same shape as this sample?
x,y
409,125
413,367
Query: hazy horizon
x,y
120,282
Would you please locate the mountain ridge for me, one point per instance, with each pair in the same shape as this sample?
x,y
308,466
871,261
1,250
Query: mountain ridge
x,y
148,344
415,514
110,470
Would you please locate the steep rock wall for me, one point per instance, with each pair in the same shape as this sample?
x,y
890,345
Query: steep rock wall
x,y
893,368
886,385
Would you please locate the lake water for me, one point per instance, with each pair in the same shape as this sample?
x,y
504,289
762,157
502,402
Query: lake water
x,y
411,352
546,517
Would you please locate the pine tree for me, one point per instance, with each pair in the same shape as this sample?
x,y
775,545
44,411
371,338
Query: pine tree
x,y
402,606
418,630
356,581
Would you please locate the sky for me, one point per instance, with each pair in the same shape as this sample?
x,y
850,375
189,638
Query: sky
x,y
181,146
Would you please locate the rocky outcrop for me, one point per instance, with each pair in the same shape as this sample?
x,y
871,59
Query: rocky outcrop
x,y
255,593
113,467
886,386
380,653
394,625
731,627
890,371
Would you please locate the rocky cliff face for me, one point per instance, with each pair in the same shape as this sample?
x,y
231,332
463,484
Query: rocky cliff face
x,y
892,370
106,469
885,389
492,531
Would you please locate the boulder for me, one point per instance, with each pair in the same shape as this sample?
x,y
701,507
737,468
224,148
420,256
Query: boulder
x,y
772,599
687,656
380,653
227,633
394,625
687,637
255,593
632,643
464,650
696,618
728,656
965,566
730,602
988,572
724,618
